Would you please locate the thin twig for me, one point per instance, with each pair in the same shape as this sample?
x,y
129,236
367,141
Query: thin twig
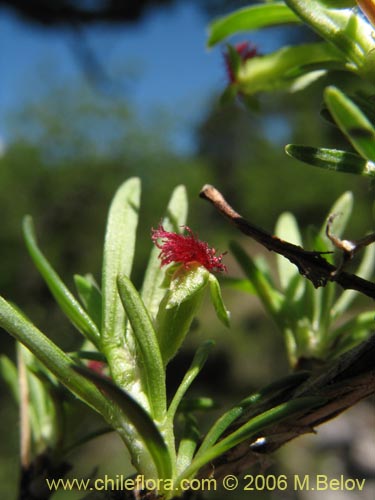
x,y
310,264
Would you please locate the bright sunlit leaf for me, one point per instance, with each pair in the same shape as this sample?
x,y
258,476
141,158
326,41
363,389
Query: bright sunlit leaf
x,y
332,159
250,18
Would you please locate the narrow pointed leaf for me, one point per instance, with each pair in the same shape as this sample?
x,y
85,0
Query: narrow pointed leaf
x,y
188,444
249,429
350,339
117,261
68,303
287,229
271,298
88,355
221,311
274,70
137,416
225,420
221,425
8,372
190,405
250,18
175,217
332,159
365,271
150,365
90,296
363,321
325,296
52,357
343,208
240,284
353,123
196,366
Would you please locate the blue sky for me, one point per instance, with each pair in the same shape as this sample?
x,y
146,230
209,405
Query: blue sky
x,y
164,60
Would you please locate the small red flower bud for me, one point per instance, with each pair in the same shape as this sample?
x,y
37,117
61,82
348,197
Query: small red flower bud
x,y
186,249
96,366
245,50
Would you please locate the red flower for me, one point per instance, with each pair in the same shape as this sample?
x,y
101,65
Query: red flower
x,y
245,51
96,366
186,249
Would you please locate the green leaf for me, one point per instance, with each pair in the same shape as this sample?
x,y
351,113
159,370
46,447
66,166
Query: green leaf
x,y
196,366
8,373
249,429
138,417
44,403
325,296
276,70
222,424
365,271
179,307
185,284
338,4
352,122
332,159
344,28
225,420
88,355
221,311
365,103
175,217
150,363
90,296
343,207
363,321
271,298
189,405
250,18
287,229
67,302
303,80
52,357
117,261
189,440
359,330
240,284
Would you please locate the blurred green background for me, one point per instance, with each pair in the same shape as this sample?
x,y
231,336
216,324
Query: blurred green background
x,y
68,148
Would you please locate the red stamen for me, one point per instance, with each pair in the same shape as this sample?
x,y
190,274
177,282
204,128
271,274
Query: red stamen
x,y
186,249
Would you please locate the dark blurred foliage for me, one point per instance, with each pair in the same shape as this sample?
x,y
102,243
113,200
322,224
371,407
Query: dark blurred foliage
x,y
81,12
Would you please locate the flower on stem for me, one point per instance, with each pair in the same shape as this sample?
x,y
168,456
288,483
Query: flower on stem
x,y
187,283
186,249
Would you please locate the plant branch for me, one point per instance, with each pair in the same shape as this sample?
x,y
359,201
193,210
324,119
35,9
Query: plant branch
x,y
348,380
310,264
